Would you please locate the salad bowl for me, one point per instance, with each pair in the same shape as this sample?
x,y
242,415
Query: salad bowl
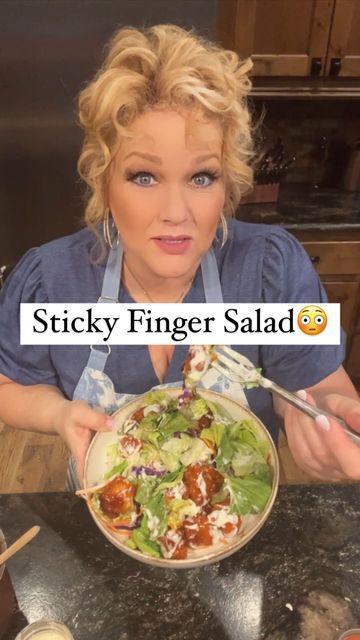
x,y
97,468
2,548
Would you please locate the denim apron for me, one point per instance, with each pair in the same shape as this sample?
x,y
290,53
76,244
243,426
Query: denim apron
x,y
97,389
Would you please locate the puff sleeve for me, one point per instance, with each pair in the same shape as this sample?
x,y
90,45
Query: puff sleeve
x,y
25,364
288,276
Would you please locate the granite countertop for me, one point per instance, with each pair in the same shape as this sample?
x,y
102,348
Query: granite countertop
x,y
298,579
303,206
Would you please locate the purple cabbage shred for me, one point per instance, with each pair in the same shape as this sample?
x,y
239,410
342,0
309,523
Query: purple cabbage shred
x,y
189,432
150,471
192,432
129,527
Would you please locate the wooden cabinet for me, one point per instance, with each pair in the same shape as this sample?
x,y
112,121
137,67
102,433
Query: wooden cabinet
x,y
348,295
337,262
343,57
297,38
334,257
353,361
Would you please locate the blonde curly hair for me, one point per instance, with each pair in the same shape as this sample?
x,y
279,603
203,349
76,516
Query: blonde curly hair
x,y
164,66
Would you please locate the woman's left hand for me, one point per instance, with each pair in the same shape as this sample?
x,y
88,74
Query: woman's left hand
x,y
321,447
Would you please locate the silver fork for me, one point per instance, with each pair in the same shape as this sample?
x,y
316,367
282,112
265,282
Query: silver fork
x,y
237,367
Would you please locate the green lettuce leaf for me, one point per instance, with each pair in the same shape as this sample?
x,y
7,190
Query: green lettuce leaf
x,y
156,513
148,454
263,472
172,449
179,509
198,407
235,436
214,433
247,495
145,489
170,480
217,410
175,422
130,543
177,445
141,539
183,451
170,461
156,397
150,422
117,470
113,456
253,383
112,451
244,460
150,436
249,435
197,452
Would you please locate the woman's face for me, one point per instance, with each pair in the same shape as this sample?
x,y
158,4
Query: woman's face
x,y
166,192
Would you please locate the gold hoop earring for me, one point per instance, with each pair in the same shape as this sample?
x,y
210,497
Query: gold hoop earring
x,y
225,230
106,230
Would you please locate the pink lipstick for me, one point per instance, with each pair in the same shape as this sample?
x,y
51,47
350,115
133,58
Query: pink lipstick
x,y
172,244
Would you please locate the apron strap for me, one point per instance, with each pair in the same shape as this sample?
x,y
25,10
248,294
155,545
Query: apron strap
x,y
211,279
111,282
109,293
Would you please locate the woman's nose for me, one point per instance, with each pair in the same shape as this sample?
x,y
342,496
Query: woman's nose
x,y
175,207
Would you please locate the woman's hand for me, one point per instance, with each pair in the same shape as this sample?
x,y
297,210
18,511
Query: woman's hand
x,y
76,423
321,447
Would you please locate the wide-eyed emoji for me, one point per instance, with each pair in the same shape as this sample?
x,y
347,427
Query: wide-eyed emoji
x,y
312,320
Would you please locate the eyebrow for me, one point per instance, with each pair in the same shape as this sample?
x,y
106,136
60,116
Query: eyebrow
x,y
206,156
157,160
146,156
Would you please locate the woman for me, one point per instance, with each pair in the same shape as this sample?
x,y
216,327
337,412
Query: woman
x,y
166,158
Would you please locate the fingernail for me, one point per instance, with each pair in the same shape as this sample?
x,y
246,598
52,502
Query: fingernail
x,y
301,394
110,423
323,423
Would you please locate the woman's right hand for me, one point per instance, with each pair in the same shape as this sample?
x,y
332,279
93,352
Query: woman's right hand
x,y
76,423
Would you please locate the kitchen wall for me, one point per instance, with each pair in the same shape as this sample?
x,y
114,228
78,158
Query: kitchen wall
x,y
48,50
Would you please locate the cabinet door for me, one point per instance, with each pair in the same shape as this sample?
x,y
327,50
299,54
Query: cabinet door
x,y
334,257
347,294
282,37
344,46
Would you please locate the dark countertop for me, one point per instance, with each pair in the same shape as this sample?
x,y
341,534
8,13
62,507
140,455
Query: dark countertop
x,y
305,207
298,579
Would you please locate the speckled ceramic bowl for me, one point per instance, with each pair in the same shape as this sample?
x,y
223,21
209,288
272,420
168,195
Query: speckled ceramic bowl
x,y
95,468
44,629
2,548
350,634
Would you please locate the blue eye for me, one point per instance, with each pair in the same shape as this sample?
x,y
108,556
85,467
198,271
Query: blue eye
x,y
204,179
146,179
142,178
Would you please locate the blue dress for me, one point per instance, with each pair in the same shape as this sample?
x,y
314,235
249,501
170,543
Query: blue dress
x,y
258,263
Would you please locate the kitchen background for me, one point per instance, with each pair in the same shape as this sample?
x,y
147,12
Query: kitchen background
x,y
305,102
